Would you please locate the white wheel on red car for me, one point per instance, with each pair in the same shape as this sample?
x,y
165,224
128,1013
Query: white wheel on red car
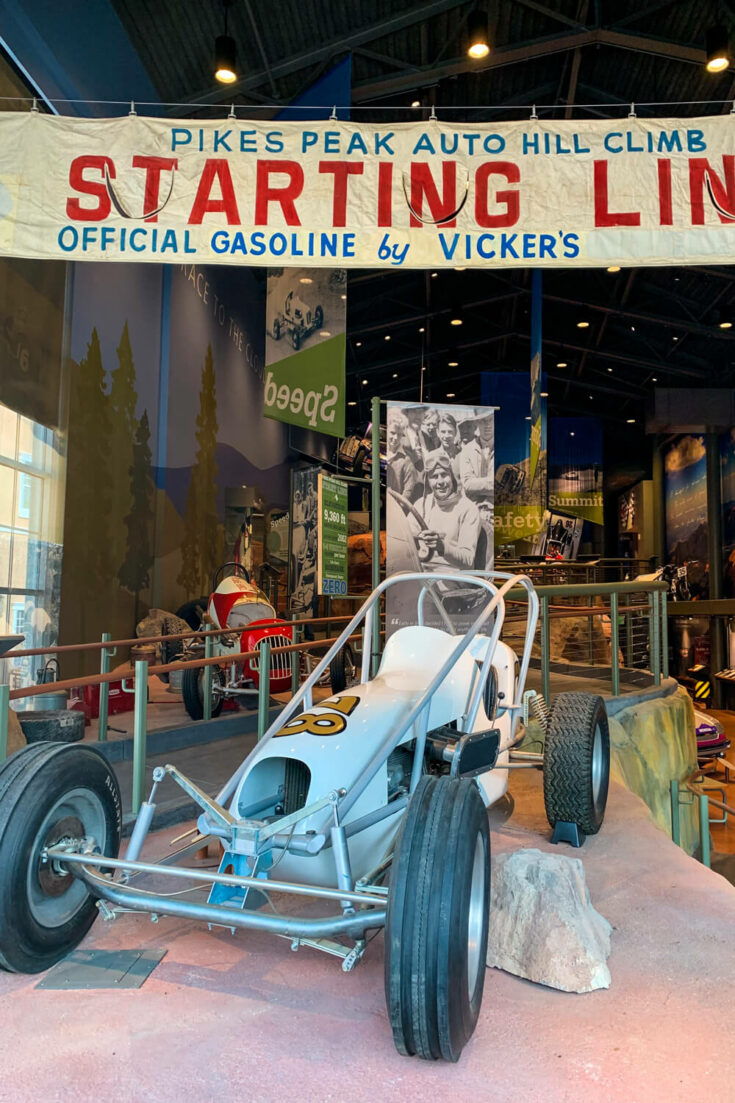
x,y
192,690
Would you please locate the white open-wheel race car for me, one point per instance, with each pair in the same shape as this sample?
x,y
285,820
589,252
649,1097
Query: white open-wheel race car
x,y
372,802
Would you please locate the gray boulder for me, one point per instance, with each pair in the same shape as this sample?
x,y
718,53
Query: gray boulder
x,y
542,924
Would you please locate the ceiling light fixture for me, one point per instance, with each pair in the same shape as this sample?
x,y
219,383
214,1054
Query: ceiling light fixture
x,y
421,330
225,54
725,324
415,103
453,364
583,325
571,433
434,275
654,379
562,364
387,337
478,47
305,279
358,344
630,421
717,49
364,382
352,404
614,268
451,394
455,319
395,375
544,394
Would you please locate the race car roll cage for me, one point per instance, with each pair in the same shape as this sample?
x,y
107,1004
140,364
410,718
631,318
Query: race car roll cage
x,y
254,838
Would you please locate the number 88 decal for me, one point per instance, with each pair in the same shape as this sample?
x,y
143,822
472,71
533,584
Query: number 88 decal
x,y
322,723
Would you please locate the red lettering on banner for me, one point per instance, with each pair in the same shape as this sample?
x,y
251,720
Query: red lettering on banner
x,y
79,183
724,193
153,166
603,215
285,194
665,214
423,186
340,170
215,169
509,197
385,193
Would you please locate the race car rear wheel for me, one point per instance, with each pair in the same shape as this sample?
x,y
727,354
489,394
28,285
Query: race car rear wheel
x,y
577,761
49,792
437,923
192,690
342,670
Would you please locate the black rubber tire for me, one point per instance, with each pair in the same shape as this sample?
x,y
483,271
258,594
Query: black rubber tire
x,y
52,725
31,781
431,1009
573,790
191,691
342,670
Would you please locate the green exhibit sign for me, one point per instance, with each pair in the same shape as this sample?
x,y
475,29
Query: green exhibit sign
x,y
332,536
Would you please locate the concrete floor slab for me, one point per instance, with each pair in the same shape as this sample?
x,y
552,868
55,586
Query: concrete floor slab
x,y
245,1018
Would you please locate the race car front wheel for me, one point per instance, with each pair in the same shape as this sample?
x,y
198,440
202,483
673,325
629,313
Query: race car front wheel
x,y
192,690
437,923
577,761
50,792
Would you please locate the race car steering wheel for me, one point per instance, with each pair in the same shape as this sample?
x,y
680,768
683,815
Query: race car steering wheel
x,y
237,569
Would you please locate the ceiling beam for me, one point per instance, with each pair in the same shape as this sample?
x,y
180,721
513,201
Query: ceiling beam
x,y
557,16
331,48
525,51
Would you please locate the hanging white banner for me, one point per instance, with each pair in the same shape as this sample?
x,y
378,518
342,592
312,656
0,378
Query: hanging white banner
x,y
413,195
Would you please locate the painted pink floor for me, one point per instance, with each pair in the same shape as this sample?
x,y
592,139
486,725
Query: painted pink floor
x,y
246,1019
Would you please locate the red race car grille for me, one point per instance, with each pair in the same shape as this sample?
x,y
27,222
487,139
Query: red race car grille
x,y
280,664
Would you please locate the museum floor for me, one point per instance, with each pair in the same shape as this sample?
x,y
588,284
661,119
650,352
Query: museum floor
x,y
245,1018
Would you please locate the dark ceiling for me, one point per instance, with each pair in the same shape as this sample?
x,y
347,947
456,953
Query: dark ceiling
x,y
580,59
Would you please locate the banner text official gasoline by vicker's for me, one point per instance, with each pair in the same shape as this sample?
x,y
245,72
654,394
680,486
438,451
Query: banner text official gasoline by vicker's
x,y
556,193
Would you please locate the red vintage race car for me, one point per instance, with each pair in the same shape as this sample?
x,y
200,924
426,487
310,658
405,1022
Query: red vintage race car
x,y
236,604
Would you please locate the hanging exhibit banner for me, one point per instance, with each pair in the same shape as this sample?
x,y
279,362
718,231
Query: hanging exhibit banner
x,y
439,504
520,501
332,543
305,345
554,193
575,467
302,581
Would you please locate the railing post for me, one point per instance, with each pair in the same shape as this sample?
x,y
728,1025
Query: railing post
x,y
295,661
675,827
264,685
375,520
664,635
4,718
614,645
139,732
704,829
545,649
629,636
104,709
653,637
207,679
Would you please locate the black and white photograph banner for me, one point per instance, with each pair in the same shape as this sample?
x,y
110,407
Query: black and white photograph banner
x,y
439,504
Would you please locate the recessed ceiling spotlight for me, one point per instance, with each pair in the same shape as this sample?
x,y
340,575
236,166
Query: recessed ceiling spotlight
x,y
479,45
717,49
387,337
421,330
654,379
632,329
610,370
571,433
613,268
528,417
591,397
453,364
424,368
364,382
434,275
583,325
343,297
395,375
450,394
358,344
461,269
352,404
725,324
544,394
562,364
415,103
305,279
458,322
674,338
630,421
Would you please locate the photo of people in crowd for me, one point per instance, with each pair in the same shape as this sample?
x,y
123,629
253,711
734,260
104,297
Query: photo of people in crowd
x,y
440,483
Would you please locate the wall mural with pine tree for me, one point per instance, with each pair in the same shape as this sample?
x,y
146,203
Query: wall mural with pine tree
x,y
165,414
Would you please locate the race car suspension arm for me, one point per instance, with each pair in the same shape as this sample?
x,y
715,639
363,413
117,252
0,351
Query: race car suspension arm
x,y
296,927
